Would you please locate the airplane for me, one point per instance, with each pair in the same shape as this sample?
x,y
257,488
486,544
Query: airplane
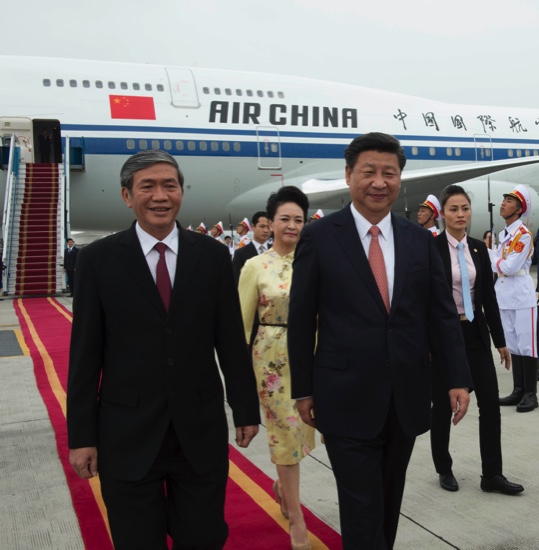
x,y
238,136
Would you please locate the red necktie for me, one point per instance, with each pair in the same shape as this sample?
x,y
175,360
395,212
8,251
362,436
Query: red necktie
x,y
378,266
162,276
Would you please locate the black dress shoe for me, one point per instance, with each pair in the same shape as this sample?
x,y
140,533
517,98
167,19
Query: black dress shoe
x,y
448,482
499,484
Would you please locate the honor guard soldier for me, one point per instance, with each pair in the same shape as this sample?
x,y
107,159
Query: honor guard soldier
x,y
202,229
216,231
243,228
429,213
515,292
317,215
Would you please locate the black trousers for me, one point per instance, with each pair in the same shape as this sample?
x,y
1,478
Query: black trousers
x,y
171,499
485,384
370,477
70,275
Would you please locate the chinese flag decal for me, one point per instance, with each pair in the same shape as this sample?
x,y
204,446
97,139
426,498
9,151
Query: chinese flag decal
x,y
132,107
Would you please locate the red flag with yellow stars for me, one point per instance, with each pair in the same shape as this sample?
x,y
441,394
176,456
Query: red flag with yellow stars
x,y
132,107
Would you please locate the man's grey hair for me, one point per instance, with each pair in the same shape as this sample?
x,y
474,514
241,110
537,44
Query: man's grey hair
x,y
143,160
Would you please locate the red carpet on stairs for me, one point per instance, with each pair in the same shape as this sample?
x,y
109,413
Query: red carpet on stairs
x,y
252,515
36,261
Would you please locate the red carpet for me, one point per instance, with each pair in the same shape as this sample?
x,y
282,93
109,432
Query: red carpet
x,y
252,515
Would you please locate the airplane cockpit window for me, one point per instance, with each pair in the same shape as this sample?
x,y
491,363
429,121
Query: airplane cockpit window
x,y
280,94
136,86
249,93
46,82
239,92
228,91
85,83
148,87
112,85
160,88
73,83
123,85
260,93
98,84
60,83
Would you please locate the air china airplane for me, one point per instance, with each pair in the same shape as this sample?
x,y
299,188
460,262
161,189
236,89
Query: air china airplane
x,y
239,136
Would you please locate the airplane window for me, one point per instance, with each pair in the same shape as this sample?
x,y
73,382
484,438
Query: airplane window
x,y
85,83
274,148
167,144
280,94
535,152
73,83
136,86
203,146
249,93
228,91
237,146
60,83
98,84
123,85
260,93
156,144
457,151
179,145
112,85
143,144
130,143
239,92
191,145
415,151
217,91
160,88
510,152
214,146
226,146
432,151
46,82
270,94
206,90
527,152
449,152
487,152
519,153
148,87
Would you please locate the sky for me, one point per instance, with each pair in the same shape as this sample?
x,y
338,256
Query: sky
x,y
464,51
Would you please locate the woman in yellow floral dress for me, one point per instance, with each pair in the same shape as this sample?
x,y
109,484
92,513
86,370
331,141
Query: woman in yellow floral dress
x,y
264,288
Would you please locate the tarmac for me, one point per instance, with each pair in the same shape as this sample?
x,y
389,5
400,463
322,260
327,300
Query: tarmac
x,y
36,511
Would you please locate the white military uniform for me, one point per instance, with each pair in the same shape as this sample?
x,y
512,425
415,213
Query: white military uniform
x,y
244,241
433,230
515,289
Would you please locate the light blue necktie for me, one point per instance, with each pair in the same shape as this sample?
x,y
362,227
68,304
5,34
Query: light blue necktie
x,y
466,294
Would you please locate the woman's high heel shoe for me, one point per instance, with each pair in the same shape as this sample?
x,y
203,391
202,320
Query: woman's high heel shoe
x,y
278,498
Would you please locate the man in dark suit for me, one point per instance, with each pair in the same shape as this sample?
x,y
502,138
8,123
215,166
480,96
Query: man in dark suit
x,y
70,261
366,287
258,244
145,404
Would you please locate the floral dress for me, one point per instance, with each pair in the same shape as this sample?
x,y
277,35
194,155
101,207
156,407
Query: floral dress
x,y
265,288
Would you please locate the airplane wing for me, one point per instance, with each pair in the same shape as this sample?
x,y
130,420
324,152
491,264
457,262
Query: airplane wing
x,y
332,193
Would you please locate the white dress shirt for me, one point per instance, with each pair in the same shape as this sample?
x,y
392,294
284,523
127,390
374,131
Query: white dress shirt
x,y
387,243
147,242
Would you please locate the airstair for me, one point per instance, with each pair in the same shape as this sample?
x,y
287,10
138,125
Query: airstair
x,y
33,227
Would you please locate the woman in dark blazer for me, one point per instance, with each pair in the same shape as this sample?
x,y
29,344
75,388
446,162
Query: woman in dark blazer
x,y
479,313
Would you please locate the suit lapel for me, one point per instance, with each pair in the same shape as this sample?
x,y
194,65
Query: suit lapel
x,y
402,244
443,248
189,250
132,258
348,239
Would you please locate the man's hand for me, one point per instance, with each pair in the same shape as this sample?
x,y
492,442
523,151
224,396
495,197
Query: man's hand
x,y
459,399
505,356
84,461
306,410
244,435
